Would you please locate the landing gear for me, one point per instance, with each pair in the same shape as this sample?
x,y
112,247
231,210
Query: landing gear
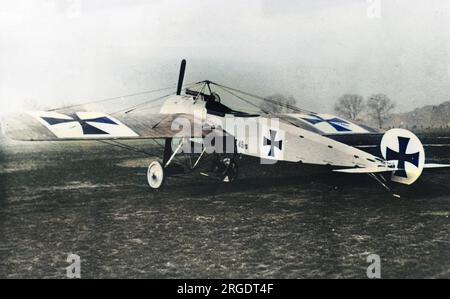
x,y
224,167
157,171
155,175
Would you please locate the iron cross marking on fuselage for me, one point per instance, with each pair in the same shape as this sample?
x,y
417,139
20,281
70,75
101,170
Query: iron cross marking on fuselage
x,y
401,156
337,123
272,143
87,128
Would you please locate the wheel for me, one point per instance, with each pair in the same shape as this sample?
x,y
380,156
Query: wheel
x,y
232,171
227,170
155,175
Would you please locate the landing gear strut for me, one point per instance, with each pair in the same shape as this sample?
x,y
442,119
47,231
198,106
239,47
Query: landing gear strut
x,y
224,167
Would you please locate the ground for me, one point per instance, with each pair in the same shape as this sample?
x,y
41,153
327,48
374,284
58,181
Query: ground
x,y
94,201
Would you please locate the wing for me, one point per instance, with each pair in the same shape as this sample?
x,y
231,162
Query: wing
x,y
326,124
53,126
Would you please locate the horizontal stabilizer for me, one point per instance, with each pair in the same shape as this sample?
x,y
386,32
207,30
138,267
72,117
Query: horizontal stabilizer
x,y
385,169
367,170
432,165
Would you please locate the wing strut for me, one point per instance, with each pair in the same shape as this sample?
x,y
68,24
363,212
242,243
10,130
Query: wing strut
x,y
174,153
167,150
199,158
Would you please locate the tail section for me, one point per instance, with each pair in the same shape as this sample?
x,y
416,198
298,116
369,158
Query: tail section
x,y
404,157
406,152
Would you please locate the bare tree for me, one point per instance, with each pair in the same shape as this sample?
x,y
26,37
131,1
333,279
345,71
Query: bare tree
x,y
350,106
380,107
278,104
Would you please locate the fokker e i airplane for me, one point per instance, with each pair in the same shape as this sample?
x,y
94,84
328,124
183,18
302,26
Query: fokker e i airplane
x,y
301,138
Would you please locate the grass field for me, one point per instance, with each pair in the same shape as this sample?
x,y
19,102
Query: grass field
x,y
93,200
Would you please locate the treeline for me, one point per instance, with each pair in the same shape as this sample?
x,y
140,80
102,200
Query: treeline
x,y
354,107
377,107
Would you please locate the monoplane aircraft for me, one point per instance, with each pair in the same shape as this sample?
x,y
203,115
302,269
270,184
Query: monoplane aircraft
x,y
194,121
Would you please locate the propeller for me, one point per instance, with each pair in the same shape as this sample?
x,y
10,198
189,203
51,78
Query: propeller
x,y
181,76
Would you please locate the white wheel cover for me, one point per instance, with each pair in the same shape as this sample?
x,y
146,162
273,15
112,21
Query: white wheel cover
x,y
155,175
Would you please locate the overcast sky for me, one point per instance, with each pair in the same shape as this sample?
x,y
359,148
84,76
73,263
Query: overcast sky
x,y
69,51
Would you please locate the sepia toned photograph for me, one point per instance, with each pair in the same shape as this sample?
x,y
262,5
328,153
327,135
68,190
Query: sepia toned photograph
x,y
257,140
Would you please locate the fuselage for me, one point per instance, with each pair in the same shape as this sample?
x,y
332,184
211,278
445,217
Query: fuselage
x,y
271,138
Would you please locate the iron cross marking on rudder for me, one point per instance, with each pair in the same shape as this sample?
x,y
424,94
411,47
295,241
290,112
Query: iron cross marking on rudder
x,y
272,143
337,123
87,128
401,156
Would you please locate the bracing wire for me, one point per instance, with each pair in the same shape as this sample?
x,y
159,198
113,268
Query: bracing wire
x,y
147,102
112,98
192,85
244,100
292,107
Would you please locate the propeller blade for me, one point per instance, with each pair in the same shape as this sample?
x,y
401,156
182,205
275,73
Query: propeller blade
x,y
181,77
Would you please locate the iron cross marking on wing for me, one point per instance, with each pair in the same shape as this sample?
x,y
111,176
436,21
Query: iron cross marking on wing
x,y
337,123
272,143
401,156
84,123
